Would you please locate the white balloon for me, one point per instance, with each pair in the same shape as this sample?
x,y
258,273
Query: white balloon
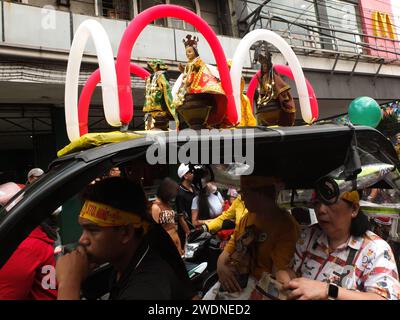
x,y
242,52
107,71
176,86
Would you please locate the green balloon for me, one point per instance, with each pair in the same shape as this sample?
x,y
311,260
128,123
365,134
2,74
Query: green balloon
x,y
365,111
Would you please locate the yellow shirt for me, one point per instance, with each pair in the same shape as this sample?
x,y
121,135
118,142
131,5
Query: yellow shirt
x,y
274,248
235,212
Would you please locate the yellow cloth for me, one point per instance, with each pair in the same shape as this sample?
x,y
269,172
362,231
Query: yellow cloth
x,y
276,252
247,119
90,140
352,196
235,212
107,216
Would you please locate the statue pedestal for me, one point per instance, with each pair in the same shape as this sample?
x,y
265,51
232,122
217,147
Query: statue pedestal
x,y
268,115
196,109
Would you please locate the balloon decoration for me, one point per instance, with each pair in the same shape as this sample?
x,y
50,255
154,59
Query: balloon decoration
x,y
116,81
365,111
130,36
87,92
286,71
242,51
105,56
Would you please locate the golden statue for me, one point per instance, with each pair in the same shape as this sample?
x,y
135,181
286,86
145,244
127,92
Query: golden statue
x,y
158,101
275,104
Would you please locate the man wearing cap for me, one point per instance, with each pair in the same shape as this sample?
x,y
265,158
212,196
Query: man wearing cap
x,y
339,258
263,241
184,200
34,174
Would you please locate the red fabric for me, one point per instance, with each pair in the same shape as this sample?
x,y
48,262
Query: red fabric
x,y
226,205
225,234
387,221
21,277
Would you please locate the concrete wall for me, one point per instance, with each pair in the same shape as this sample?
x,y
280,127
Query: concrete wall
x,y
39,33
114,29
50,29
43,29
79,7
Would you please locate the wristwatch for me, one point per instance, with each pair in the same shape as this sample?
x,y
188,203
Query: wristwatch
x,y
333,291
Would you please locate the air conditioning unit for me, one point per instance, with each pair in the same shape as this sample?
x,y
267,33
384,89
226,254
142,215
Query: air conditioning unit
x,y
63,3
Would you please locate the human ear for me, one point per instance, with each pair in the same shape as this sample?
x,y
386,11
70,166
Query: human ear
x,y
355,208
128,232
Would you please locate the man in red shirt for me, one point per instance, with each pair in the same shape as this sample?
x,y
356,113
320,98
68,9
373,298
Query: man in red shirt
x,y
29,273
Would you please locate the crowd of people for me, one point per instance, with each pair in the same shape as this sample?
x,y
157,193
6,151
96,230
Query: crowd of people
x,y
339,257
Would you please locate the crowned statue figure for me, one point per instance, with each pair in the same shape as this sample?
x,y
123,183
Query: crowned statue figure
x,y
275,104
200,98
158,107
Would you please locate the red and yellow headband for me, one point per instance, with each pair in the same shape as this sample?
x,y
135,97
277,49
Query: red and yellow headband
x,y
107,216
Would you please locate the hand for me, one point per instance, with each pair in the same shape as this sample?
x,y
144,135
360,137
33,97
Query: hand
x,y
72,268
181,68
306,289
226,275
283,277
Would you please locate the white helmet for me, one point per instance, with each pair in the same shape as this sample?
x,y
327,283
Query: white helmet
x,y
182,170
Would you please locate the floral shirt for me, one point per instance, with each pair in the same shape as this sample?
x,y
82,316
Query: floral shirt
x,y
373,268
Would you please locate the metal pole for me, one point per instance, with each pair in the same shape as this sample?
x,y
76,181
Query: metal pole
x,y
96,8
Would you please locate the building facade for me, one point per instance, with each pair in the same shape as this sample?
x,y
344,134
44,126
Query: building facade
x,y
348,48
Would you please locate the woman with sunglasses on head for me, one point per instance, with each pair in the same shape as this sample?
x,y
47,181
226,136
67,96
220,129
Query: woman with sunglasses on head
x,y
339,258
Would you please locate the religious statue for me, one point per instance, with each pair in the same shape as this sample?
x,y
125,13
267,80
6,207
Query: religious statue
x,y
158,101
275,104
200,92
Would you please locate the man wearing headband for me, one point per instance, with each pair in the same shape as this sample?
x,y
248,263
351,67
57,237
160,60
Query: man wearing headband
x,y
117,229
339,258
263,241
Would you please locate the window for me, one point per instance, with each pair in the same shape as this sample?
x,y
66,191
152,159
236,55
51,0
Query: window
x,y
342,18
63,3
116,9
180,24
145,4
211,12
287,18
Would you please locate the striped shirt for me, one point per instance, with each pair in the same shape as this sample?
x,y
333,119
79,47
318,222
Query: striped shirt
x,y
373,268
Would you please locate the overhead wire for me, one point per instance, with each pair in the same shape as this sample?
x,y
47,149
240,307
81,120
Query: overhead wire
x,y
357,14
331,19
317,26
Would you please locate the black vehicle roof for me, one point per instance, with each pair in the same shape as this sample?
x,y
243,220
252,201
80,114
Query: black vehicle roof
x,y
299,154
